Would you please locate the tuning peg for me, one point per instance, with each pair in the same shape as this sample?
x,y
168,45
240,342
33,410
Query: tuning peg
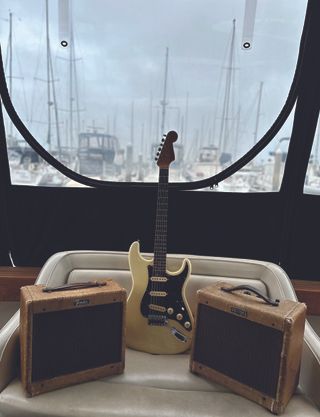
x,y
155,159
159,149
163,139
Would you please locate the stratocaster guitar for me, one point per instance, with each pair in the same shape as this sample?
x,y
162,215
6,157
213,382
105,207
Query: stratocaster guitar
x,y
159,319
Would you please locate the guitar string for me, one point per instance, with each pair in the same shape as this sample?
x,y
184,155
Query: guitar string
x,y
161,231
156,249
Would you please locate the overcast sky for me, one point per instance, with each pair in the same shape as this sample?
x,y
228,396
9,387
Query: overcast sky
x,y
121,49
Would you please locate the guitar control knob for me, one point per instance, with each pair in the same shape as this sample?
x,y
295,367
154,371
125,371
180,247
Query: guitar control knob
x,y
187,324
179,316
170,310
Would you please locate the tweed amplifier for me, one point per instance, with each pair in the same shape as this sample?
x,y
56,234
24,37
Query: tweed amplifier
x,y
71,334
249,343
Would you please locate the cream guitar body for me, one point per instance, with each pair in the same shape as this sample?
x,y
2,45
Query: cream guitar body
x,y
159,319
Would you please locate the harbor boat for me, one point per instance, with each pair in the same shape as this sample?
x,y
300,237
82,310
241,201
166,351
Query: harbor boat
x,y
96,153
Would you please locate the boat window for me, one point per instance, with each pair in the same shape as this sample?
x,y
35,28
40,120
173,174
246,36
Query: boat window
x,y
312,179
98,83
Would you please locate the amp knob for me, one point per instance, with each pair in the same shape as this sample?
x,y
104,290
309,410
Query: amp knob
x,y
170,310
179,316
187,324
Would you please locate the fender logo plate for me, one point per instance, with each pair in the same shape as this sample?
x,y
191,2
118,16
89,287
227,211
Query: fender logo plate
x,y
239,311
81,302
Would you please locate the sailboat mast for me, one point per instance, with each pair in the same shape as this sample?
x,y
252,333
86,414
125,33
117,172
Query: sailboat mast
x,y
186,116
150,116
76,87
48,77
164,102
73,90
71,57
132,124
224,128
50,80
55,108
237,133
114,122
255,134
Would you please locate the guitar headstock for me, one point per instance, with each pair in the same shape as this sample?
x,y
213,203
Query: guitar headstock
x,y
165,154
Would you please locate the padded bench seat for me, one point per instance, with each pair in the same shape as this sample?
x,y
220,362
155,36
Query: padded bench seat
x,y
154,385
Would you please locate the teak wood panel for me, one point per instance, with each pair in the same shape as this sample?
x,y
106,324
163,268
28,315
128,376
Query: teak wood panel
x,y
12,279
309,292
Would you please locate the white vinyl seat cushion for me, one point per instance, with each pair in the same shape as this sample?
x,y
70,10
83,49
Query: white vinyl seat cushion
x,y
154,385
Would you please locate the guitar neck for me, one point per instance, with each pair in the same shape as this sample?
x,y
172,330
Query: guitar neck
x,y
160,239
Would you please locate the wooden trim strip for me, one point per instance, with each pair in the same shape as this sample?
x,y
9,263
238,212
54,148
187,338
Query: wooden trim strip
x,y
308,292
11,279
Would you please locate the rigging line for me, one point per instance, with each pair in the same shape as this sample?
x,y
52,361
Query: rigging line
x,y
37,69
217,98
7,54
235,96
249,113
173,88
23,85
55,106
77,96
231,128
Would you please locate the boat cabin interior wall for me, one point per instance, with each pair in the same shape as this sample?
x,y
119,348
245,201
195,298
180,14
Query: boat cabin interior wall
x,y
280,227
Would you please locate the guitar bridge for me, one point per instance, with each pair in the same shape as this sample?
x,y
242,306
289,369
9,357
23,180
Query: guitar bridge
x,y
157,320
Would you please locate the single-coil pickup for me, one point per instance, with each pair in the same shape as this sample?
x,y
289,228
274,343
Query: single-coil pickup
x,y
158,293
159,279
155,307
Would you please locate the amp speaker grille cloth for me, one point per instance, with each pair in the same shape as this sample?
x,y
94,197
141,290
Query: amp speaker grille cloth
x,y
239,348
68,341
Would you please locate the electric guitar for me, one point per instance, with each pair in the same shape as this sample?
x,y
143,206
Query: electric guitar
x,y
159,319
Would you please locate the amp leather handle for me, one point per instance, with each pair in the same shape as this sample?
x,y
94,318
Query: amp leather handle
x,y
74,286
254,290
